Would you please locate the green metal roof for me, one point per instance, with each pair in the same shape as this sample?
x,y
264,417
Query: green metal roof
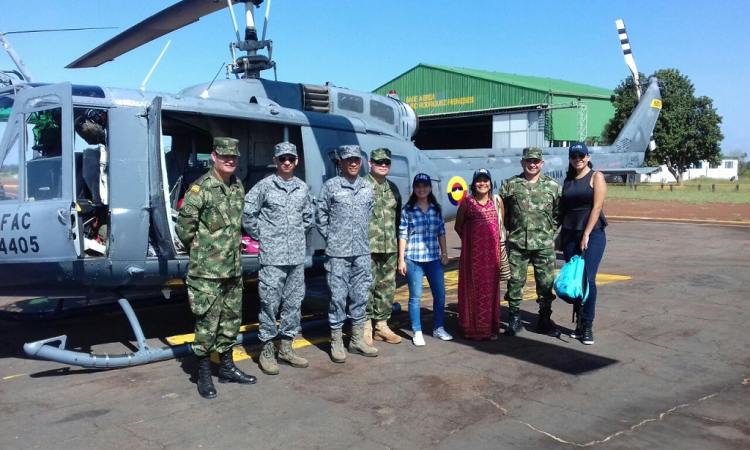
x,y
436,90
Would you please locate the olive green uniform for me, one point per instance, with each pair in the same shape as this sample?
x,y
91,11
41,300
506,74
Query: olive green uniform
x,y
532,215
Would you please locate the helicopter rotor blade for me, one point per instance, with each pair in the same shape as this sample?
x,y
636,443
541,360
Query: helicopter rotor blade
x,y
170,19
58,29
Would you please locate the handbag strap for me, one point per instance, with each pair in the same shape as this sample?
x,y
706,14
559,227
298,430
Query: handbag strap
x,y
500,223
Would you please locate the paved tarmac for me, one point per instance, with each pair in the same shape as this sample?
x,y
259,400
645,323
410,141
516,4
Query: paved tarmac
x,y
670,370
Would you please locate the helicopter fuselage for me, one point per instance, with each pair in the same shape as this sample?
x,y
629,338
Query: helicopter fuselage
x,y
93,176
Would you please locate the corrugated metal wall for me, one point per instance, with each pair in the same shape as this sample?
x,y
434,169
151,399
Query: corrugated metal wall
x,y
430,92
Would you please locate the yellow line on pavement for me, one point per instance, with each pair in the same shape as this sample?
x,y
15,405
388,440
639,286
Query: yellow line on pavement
x,y
14,376
402,296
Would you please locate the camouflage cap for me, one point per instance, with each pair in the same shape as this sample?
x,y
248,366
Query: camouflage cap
x,y
380,154
349,151
226,146
285,148
532,153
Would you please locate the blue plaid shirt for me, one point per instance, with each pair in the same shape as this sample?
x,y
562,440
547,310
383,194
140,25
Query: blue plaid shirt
x,y
421,231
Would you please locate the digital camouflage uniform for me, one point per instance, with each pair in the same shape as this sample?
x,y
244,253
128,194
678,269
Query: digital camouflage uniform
x,y
278,214
343,219
208,225
532,213
384,223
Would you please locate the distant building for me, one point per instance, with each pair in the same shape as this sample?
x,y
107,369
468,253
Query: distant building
x,y
466,108
727,169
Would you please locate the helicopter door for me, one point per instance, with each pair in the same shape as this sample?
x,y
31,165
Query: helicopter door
x,y
161,219
41,224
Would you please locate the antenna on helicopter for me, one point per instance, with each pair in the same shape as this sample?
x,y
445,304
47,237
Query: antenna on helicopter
x,y
204,94
143,85
630,62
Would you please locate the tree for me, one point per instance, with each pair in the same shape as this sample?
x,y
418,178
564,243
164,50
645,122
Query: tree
x,y
688,127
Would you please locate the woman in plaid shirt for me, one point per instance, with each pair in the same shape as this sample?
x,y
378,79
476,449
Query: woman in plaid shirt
x,y
422,251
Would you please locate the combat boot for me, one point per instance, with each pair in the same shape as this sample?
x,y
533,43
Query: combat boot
x,y
205,384
384,333
514,321
229,373
287,354
368,332
358,344
588,335
337,346
546,325
267,359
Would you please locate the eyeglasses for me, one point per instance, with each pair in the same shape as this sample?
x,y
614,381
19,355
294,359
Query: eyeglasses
x,y
283,159
533,161
381,162
577,156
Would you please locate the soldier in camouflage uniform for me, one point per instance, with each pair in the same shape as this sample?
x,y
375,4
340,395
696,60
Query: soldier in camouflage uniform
x,y
384,223
278,213
343,218
208,225
532,210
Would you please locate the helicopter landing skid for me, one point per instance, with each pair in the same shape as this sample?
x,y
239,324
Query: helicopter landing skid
x,y
145,354
44,349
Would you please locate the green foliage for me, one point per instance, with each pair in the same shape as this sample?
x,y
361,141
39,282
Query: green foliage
x,y
688,127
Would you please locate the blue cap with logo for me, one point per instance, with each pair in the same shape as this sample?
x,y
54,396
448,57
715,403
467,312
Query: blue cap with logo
x,y
480,173
421,178
578,147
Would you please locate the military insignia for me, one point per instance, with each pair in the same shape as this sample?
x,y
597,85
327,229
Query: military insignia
x,y
195,188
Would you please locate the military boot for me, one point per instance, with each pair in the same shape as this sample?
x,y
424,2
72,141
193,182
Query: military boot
x,y
229,373
337,346
368,332
287,354
267,359
358,344
546,325
205,384
383,333
514,321
588,334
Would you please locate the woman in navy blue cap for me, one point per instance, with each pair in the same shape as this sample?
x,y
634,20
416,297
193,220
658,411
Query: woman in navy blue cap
x,y
422,251
479,225
583,227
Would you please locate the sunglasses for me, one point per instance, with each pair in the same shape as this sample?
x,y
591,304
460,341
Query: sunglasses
x,y
284,159
533,161
381,162
577,156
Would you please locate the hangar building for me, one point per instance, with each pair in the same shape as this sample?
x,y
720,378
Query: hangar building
x,y
466,108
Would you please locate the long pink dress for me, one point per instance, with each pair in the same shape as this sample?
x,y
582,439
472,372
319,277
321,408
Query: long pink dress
x,y
478,272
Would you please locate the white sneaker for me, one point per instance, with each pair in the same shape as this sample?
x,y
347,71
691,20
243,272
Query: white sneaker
x,y
418,339
441,334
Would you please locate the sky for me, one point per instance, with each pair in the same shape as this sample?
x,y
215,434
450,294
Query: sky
x,y
362,44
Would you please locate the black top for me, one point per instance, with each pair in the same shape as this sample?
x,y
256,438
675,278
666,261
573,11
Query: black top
x,y
577,202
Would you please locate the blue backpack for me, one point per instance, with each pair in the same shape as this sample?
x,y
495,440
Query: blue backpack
x,y
571,284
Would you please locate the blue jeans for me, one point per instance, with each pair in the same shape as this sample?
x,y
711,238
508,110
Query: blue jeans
x,y
571,245
415,273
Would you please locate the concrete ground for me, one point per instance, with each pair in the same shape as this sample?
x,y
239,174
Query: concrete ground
x,y
670,370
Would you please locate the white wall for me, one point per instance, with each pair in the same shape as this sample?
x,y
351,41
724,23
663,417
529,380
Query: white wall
x,y
726,169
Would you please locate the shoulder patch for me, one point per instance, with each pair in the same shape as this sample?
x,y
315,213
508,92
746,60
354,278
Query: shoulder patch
x,y
195,188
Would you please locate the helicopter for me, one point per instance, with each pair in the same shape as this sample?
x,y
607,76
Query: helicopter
x,y
98,173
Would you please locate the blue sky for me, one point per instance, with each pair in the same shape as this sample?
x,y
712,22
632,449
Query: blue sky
x,y
361,44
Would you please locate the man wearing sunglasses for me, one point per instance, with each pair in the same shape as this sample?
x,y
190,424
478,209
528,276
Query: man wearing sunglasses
x,y
532,215
386,217
343,218
278,213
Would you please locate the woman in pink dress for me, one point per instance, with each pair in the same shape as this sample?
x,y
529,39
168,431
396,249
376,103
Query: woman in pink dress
x,y
479,227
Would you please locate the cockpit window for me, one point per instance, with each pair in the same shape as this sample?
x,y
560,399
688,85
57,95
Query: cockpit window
x,y
382,111
9,167
349,102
